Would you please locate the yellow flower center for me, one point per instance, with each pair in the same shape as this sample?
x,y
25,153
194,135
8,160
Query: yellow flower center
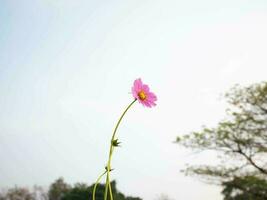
x,y
142,95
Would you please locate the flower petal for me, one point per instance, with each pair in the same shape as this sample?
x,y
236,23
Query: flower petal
x,y
145,88
147,104
138,84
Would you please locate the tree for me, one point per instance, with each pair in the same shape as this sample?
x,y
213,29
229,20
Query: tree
x,y
39,193
245,188
22,193
58,189
82,191
17,193
240,142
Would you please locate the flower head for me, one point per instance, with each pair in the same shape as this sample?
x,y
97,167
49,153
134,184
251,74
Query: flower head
x,y
141,92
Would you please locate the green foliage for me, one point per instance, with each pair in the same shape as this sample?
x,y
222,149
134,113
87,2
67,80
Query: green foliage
x,y
240,140
245,188
60,190
81,191
78,192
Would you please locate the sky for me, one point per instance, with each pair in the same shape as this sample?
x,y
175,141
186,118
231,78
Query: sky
x,y
66,72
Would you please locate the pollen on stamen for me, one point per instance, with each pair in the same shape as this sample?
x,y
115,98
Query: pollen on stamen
x,y
142,95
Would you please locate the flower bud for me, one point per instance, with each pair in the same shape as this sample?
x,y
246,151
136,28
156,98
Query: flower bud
x,y
116,143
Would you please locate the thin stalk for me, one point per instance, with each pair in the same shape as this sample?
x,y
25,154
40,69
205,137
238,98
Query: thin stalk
x,y
108,185
96,183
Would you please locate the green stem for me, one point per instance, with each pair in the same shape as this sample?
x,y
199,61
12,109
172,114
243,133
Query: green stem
x,y
96,183
106,189
108,185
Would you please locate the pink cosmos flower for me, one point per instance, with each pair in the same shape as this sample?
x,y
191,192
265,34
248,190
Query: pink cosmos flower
x,y
141,92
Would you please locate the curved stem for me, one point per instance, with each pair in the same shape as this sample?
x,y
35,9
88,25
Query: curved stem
x,y
108,185
96,183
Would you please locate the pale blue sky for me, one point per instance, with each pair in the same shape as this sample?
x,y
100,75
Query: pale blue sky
x,y
66,71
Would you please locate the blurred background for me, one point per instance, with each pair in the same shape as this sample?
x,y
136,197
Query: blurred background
x,y
66,72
